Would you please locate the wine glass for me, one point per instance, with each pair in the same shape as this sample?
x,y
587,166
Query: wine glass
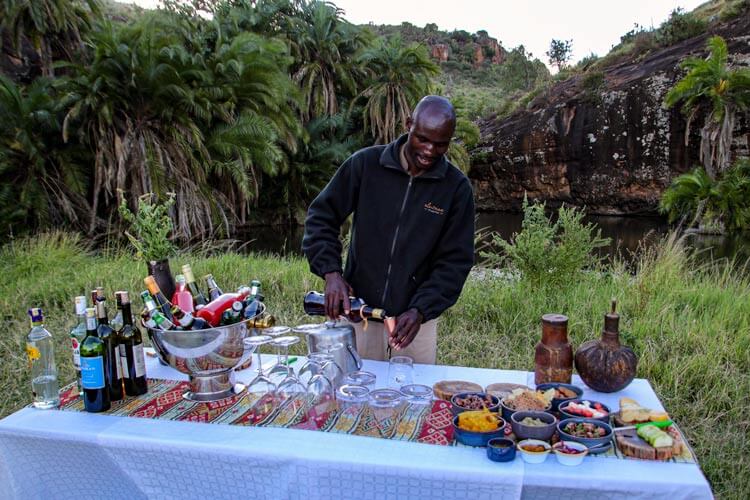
x,y
261,384
330,368
313,366
278,372
290,386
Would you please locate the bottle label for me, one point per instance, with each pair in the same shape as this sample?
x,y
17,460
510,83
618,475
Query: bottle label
x,y
123,360
32,352
139,361
92,372
76,346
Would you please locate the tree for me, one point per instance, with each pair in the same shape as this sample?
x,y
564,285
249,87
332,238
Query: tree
x,y
717,91
560,52
399,77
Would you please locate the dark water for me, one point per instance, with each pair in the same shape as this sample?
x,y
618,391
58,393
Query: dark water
x,y
628,235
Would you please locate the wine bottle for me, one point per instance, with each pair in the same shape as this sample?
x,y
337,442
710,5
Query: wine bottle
x,y
198,297
253,300
93,360
132,361
214,292
162,322
162,303
113,374
40,349
233,314
187,321
213,310
315,305
77,334
182,296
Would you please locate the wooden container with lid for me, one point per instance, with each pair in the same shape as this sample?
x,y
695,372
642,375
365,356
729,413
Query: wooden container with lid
x,y
554,355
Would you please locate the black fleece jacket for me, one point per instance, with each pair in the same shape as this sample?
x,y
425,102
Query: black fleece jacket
x,y
412,241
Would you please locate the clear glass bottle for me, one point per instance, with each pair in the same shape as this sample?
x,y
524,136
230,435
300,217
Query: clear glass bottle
x,y
77,334
40,350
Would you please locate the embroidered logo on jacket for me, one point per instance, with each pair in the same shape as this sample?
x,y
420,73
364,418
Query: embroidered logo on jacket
x,y
434,209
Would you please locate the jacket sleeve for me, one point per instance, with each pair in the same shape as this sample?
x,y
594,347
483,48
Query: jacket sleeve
x,y
452,261
320,243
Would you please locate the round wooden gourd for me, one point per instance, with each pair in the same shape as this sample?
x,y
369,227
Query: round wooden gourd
x,y
604,364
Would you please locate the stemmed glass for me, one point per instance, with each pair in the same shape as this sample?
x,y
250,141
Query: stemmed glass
x,y
290,386
330,368
278,372
261,384
313,365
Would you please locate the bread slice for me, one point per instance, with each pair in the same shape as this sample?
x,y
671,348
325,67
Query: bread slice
x,y
632,412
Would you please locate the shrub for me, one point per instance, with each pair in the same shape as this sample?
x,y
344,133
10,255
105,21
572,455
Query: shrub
x,y
547,252
680,26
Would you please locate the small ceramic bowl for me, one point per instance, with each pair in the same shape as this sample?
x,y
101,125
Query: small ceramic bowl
x,y
564,457
523,431
578,392
564,413
590,442
501,449
456,408
534,457
508,412
471,438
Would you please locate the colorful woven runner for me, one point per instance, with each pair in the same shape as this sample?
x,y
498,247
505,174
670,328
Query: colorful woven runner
x,y
422,424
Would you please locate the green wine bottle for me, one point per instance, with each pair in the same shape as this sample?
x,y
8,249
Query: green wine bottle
x,y
93,359
132,362
111,342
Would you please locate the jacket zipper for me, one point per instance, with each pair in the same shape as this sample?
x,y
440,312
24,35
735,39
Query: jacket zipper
x,y
393,243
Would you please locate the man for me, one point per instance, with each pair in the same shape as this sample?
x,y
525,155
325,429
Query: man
x,y
412,237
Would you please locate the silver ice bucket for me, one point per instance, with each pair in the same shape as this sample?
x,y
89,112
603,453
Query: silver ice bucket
x,y
207,356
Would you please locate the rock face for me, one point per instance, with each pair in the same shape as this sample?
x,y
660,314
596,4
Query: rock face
x,y
440,51
603,141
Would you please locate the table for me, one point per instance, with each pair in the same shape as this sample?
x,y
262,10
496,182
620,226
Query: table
x,y
62,454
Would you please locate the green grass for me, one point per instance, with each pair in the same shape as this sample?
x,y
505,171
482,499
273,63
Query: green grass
x,y
689,325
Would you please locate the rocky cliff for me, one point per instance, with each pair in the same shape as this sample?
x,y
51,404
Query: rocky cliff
x,y
601,140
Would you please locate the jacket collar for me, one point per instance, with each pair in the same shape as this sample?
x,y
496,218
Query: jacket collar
x,y
389,158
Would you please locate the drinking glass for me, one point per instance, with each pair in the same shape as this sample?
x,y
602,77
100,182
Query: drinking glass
x,y
352,397
360,377
261,384
331,369
417,394
313,366
290,386
278,372
400,371
384,405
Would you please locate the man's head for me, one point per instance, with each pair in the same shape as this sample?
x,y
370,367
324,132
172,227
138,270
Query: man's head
x,y
431,128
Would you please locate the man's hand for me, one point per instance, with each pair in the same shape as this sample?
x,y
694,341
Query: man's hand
x,y
337,293
407,327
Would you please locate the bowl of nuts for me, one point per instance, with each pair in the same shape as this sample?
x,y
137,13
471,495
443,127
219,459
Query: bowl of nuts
x,y
473,401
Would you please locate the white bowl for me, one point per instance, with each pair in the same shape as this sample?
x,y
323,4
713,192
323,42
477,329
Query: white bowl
x,y
568,458
534,457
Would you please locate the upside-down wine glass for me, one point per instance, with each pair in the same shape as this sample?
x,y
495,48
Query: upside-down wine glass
x,y
278,372
290,386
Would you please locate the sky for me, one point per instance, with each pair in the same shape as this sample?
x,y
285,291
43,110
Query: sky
x,y
593,25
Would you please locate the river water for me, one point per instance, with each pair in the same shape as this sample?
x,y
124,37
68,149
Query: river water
x,y
628,235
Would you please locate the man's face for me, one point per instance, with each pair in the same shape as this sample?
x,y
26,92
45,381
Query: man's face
x,y
429,137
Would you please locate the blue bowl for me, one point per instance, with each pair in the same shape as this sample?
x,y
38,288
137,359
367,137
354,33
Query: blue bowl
x,y
557,401
590,442
501,449
564,413
456,409
471,438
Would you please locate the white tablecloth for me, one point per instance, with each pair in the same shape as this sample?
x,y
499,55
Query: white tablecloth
x,y
62,454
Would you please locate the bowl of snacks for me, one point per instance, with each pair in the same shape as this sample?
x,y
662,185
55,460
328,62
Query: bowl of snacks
x,y
477,427
501,449
534,451
526,400
473,401
570,453
563,392
588,431
585,408
533,425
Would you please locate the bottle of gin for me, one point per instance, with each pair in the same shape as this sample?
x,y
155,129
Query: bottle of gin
x,y
77,334
93,362
40,350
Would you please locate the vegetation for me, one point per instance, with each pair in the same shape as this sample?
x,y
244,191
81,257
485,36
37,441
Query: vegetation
x,y
559,53
688,325
150,228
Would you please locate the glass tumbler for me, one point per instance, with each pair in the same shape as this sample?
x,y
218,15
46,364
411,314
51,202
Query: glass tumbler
x,y
360,377
417,394
352,398
400,371
385,405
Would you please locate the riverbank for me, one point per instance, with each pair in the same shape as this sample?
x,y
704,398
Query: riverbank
x,y
689,325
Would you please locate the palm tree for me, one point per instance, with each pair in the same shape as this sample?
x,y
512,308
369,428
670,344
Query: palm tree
x,y
692,195
40,182
324,46
399,77
712,87
50,25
